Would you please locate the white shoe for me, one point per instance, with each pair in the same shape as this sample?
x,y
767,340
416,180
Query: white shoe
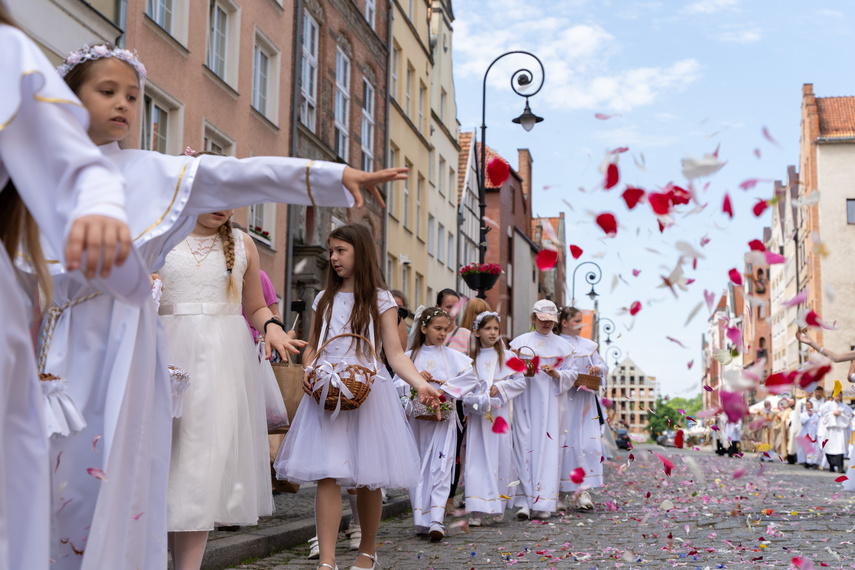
x,y
437,533
542,515
499,518
475,521
584,502
524,514
373,558
325,565
384,495
355,538
314,549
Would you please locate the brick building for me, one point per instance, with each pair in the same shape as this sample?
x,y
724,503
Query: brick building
x,y
553,282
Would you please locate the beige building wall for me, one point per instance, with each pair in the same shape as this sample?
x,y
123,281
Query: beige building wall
x,y
409,145
442,178
193,98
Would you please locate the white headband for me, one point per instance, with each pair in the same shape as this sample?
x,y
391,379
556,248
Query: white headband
x,y
87,53
476,324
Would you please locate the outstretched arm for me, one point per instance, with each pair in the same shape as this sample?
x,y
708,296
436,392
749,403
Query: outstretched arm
x,y
804,336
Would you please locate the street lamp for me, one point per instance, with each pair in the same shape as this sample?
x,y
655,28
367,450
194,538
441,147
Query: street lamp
x,y
614,352
521,80
592,277
608,328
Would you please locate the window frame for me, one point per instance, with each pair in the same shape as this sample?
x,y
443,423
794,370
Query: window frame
x,y
440,243
431,235
408,95
396,60
342,104
419,190
450,261
390,195
213,56
260,78
368,106
441,176
155,9
371,13
850,210
406,183
267,213
309,68
147,127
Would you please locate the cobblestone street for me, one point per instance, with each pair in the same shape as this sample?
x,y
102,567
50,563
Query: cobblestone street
x,y
711,512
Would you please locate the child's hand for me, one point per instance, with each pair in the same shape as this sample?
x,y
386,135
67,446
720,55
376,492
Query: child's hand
x,y
550,371
494,391
429,396
307,384
426,375
104,239
355,180
154,277
281,341
594,371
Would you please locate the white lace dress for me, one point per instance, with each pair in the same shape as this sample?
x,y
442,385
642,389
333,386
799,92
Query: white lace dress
x,y
371,446
219,470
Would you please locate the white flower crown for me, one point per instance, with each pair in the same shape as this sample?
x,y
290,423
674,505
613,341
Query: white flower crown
x,y
87,53
476,324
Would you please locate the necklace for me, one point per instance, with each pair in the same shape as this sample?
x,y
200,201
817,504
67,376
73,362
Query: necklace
x,y
210,249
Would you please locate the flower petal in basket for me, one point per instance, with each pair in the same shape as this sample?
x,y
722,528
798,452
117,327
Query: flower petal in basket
x,y
61,412
179,379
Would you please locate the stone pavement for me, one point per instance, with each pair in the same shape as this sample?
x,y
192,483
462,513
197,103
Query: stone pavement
x,y
711,512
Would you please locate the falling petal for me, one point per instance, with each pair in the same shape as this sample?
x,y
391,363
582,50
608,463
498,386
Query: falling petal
x,y
699,168
97,473
666,464
490,222
577,475
768,137
634,308
773,258
498,172
733,405
137,516
709,298
546,259
727,207
604,117
632,196
735,277
837,388
760,207
95,442
575,251
738,473
756,245
58,457
500,425
463,524
607,223
813,320
516,364
636,272
689,365
842,478
757,152
612,176
675,341
797,300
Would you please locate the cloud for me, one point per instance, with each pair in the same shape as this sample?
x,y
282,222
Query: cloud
x,y
631,136
577,58
710,6
742,35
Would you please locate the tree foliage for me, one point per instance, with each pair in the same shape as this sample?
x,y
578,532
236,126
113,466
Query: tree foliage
x,y
666,415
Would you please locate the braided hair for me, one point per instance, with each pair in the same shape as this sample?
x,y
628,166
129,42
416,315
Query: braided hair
x,y
228,238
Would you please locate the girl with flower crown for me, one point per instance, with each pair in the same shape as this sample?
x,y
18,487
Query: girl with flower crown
x,y
583,415
489,468
368,447
436,441
51,177
537,413
113,498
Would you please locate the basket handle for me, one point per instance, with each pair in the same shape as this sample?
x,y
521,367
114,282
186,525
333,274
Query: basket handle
x,y
518,351
323,346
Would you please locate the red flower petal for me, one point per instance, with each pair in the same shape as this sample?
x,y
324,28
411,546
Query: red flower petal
x,y
612,176
660,202
500,425
666,463
97,473
634,308
607,223
536,362
575,251
842,478
760,207
678,195
516,364
632,196
756,245
577,475
498,171
546,259
735,276
636,272
727,207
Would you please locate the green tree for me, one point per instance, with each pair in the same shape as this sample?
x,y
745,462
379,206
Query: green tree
x,y
690,406
663,418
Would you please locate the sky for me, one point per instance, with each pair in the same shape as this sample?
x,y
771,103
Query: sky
x,y
679,78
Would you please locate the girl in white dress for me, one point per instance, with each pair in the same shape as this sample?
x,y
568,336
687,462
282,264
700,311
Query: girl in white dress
x,y
51,175
436,441
368,447
537,414
113,354
810,423
584,416
489,467
219,470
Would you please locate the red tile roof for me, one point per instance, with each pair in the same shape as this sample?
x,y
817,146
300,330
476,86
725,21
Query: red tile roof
x,y
462,162
836,116
554,222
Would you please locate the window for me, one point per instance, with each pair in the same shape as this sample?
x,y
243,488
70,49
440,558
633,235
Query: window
x,y
161,12
442,98
441,179
155,126
421,124
217,141
431,234
390,194
262,223
418,285
411,10
431,168
850,211
260,73
367,126
396,57
405,281
342,103
390,272
452,185
440,243
217,39
408,101
407,197
370,12
419,184
450,260
309,73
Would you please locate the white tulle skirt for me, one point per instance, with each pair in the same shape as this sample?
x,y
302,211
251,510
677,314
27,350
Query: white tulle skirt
x,y
371,446
219,470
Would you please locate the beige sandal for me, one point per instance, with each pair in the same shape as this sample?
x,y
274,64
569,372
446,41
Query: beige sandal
x,y
373,558
324,564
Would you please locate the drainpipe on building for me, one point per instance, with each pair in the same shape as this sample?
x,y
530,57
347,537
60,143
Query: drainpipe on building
x,y
295,116
387,104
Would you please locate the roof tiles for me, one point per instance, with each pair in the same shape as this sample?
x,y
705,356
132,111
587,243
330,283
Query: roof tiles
x,y
836,117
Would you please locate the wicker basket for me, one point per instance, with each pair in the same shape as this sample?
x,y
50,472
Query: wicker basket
x,y
589,381
422,412
530,361
357,379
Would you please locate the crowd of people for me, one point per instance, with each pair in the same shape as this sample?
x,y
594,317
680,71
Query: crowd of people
x,y
141,425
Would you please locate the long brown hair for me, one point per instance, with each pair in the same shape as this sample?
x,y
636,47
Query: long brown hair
x,y
367,279
474,307
499,347
567,312
427,316
18,228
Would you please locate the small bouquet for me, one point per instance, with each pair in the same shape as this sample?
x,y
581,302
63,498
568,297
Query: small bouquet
x,y
422,412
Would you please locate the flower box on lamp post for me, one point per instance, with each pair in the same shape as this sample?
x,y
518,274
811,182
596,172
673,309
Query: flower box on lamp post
x,y
481,276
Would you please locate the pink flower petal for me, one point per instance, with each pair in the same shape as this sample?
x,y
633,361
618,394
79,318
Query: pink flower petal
x,y
95,442
516,364
607,223
636,272
612,176
578,475
773,258
634,308
760,207
735,277
666,463
575,251
97,473
632,196
500,425
733,405
756,245
546,259
798,299
727,207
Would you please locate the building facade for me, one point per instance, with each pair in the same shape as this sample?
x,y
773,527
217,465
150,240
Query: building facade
x,y
633,393
553,282
756,330
468,210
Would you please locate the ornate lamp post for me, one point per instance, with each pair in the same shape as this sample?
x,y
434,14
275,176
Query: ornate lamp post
x,y
607,327
593,277
521,80
614,352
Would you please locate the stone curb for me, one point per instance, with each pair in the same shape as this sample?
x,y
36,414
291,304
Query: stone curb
x,y
232,550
